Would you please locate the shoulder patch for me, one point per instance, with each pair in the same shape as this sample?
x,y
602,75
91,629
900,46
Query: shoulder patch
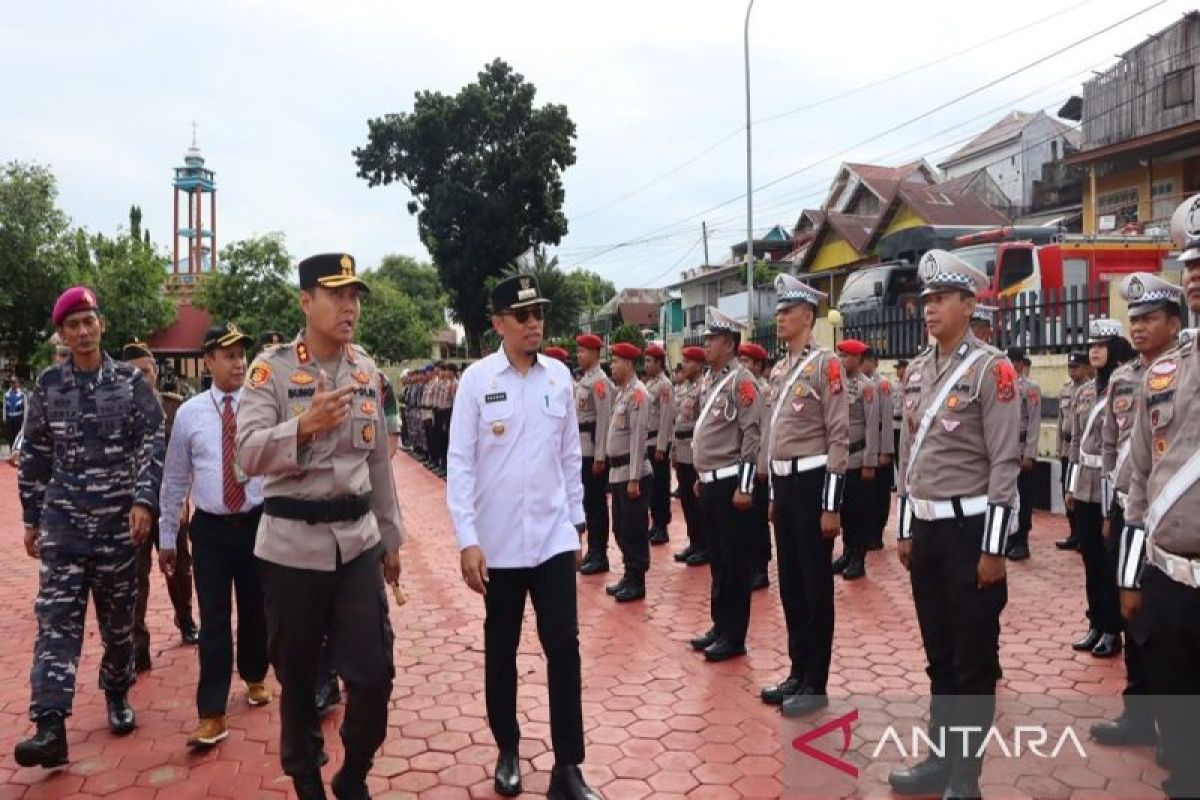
x,y
747,392
258,376
833,375
868,394
599,388
639,397
1006,380
885,386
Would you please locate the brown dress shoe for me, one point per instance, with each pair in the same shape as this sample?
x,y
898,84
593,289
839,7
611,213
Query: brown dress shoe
x,y
210,731
257,694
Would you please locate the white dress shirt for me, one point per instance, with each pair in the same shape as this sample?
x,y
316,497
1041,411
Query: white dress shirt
x,y
194,462
514,486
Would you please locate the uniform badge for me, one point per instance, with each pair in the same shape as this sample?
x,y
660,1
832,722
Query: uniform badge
x,y
833,375
801,390
1160,447
599,389
498,428
910,403
952,402
1164,368
1006,381
747,393
301,378
367,407
638,398
914,378
868,394
1122,420
1123,404
950,425
297,409
368,432
361,377
302,353
885,386
808,369
797,405
1159,382
260,373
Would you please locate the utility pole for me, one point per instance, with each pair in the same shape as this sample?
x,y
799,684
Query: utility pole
x,y
704,234
749,186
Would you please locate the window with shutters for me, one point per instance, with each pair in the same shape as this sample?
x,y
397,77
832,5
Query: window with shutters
x,y
1178,88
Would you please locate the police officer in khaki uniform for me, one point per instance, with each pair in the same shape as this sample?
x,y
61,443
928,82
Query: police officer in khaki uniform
x,y
1107,350
725,450
804,449
885,474
658,442
958,492
1031,424
687,408
1155,318
754,358
311,422
1078,372
858,515
630,478
1159,569
593,406
982,320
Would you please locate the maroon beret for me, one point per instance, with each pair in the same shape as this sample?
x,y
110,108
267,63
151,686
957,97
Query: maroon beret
x,y
626,350
73,301
654,351
558,352
852,347
694,354
589,340
752,350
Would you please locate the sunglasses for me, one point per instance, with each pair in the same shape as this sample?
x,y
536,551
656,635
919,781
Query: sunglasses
x,y
522,315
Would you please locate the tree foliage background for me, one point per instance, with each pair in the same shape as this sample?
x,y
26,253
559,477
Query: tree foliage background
x,y
484,168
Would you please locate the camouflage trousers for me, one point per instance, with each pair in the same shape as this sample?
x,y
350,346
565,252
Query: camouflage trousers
x,y
108,572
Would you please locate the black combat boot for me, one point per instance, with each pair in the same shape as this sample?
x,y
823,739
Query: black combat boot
x,y
121,719
350,782
46,748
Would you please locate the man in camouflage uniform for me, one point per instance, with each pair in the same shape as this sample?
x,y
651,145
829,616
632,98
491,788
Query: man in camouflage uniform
x,y
754,358
90,469
1078,372
957,482
629,473
687,408
858,516
658,442
593,407
1031,425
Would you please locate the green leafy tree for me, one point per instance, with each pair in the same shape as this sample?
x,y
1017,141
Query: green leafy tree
x,y
391,327
35,257
252,286
562,315
631,334
594,291
419,282
484,168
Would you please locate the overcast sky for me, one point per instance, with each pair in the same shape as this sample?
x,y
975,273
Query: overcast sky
x,y
105,93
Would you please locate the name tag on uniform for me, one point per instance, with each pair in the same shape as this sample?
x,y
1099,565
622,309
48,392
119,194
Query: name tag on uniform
x,y
495,397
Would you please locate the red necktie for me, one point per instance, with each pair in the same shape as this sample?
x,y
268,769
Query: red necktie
x,y
233,492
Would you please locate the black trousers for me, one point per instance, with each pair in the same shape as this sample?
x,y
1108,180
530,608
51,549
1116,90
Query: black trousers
x,y
805,575
882,504
595,509
179,585
430,437
1026,485
441,426
729,559
1100,579
12,427
551,585
959,622
858,513
223,548
1136,632
760,528
632,523
349,605
660,498
1172,650
685,476
1062,485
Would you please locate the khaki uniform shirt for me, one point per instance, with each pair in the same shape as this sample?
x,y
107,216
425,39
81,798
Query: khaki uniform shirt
x,y
1031,417
1166,433
1066,396
971,447
593,406
1125,389
662,412
687,408
863,403
1085,445
351,460
887,442
729,434
628,433
813,419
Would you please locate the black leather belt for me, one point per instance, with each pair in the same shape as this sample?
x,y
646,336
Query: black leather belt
x,y
587,427
618,461
240,518
683,435
340,509
857,447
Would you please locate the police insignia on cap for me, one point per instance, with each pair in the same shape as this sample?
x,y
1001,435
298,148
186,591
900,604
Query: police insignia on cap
x,y
347,264
1136,288
88,298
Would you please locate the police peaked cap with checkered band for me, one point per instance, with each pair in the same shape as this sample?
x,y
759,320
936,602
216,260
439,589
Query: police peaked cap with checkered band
x,y
1101,330
329,271
984,313
791,291
941,271
1145,293
517,292
1185,229
716,322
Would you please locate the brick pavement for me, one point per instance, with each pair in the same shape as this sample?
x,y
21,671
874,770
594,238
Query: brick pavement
x,y
660,722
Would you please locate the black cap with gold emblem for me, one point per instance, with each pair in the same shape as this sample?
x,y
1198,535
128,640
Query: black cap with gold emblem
x,y
519,291
226,335
329,271
136,349
268,338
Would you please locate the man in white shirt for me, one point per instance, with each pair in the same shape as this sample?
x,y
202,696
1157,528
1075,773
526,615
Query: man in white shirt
x,y
201,459
516,499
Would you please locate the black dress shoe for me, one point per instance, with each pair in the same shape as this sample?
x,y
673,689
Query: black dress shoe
x,y
698,558
567,783
612,589
48,747
1088,641
774,695
1018,552
1070,543
1124,730
962,787
634,590
121,719
308,787
659,536
723,650
329,694
1108,646
930,776
840,563
508,774
703,641
856,568
759,580
350,782
806,701
683,555
594,566
189,633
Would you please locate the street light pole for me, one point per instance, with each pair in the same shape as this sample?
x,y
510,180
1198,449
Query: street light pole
x,y
749,187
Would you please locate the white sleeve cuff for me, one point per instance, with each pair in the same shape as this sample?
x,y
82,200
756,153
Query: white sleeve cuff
x,y
746,472
903,519
996,528
1132,558
831,494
